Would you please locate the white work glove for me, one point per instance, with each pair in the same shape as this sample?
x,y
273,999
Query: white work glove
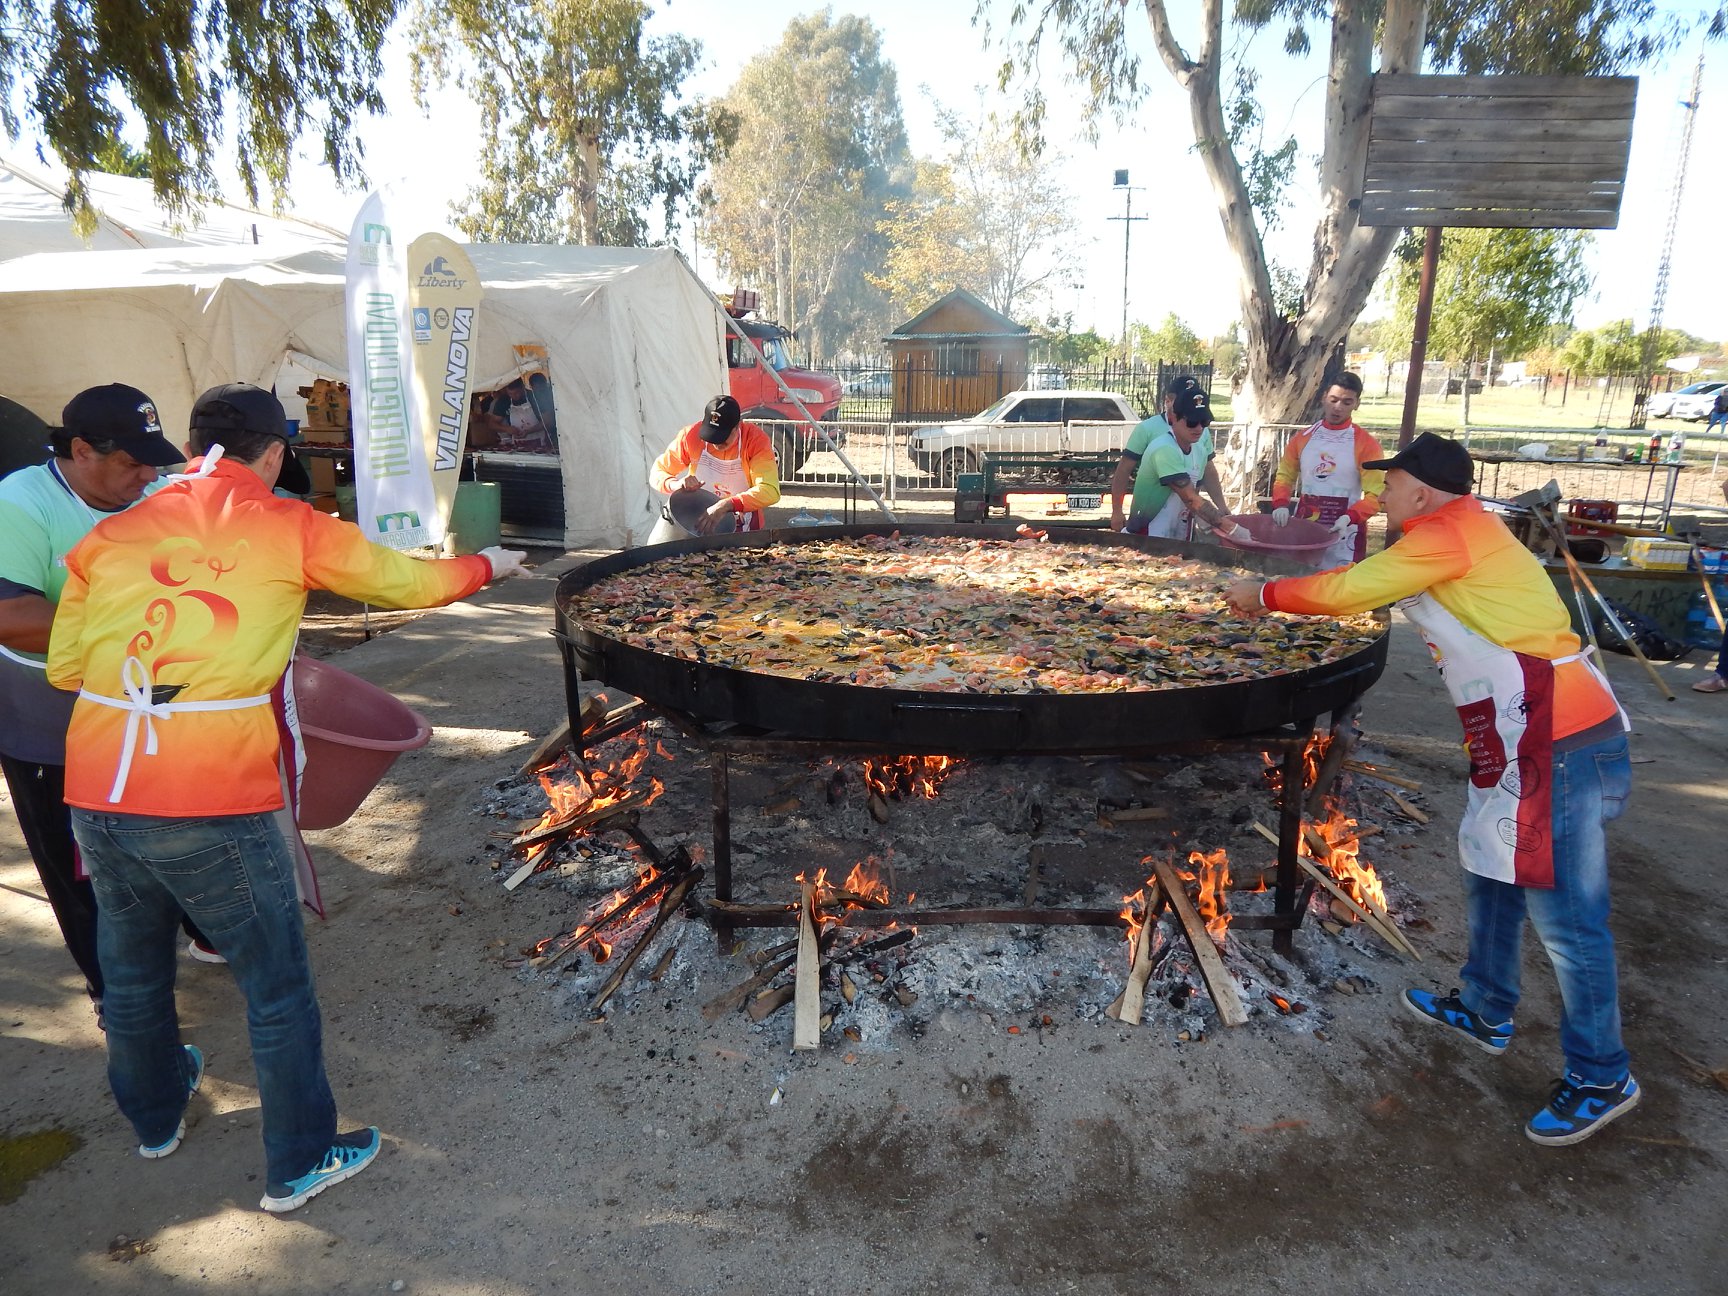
x,y
505,562
1281,515
1343,525
1237,532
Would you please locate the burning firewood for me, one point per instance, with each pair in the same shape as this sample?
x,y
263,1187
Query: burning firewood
x,y
668,906
1382,926
1212,970
618,907
541,841
1131,1003
734,998
1406,809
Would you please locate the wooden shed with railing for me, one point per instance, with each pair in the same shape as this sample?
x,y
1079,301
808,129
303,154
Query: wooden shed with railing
x,y
955,357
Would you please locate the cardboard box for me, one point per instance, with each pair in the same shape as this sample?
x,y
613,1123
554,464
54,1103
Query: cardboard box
x,y
1658,555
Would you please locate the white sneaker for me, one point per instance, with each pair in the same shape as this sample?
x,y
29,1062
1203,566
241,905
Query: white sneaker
x,y
204,953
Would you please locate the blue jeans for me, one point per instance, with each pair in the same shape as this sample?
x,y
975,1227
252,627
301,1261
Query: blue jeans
x,y
1571,919
235,877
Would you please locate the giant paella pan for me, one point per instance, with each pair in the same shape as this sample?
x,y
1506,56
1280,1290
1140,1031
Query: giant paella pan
x,y
964,639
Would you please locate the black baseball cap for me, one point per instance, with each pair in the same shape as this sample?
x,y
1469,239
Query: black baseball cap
x,y
1434,461
1192,407
1182,383
123,415
241,407
718,420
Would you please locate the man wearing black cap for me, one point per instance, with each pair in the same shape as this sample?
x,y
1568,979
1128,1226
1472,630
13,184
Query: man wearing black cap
x,y
108,453
176,624
724,454
1549,768
1165,457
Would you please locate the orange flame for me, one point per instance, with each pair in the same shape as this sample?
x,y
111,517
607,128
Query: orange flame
x,y
1359,878
904,776
865,879
1312,755
1214,901
595,789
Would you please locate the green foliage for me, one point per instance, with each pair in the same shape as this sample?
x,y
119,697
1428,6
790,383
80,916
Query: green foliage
x,y
1172,341
1496,290
1062,346
579,110
117,157
1615,348
987,219
189,72
820,154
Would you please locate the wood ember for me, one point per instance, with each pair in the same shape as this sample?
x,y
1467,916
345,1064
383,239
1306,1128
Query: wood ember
x,y
1218,980
668,906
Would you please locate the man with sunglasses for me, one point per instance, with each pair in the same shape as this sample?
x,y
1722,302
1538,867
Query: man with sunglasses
x,y
1170,460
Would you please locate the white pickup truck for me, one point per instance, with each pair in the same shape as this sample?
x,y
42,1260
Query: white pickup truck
x,y
1068,422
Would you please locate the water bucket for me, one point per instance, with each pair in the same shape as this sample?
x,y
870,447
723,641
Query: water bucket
x,y
353,731
475,516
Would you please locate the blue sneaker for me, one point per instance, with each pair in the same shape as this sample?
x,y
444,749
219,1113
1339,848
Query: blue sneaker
x,y
195,1060
347,1157
1576,1111
1451,1013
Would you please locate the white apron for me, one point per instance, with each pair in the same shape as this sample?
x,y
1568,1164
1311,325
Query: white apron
x,y
724,477
1505,702
1330,482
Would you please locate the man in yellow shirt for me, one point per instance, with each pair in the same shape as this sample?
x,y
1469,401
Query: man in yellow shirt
x,y
1549,767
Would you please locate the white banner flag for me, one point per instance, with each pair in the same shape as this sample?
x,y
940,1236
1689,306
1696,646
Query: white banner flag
x,y
395,502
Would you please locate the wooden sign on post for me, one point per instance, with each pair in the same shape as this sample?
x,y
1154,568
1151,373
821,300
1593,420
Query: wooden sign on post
x,y
1491,152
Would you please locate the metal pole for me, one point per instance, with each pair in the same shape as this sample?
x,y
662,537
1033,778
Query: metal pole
x,y
1127,229
1419,336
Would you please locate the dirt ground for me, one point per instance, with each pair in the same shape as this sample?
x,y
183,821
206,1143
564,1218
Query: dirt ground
x,y
529,1149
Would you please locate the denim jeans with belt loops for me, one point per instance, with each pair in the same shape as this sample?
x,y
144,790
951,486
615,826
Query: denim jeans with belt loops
x,y
1571,919
234,876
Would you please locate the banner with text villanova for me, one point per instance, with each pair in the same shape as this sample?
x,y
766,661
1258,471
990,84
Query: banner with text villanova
x,y
411,311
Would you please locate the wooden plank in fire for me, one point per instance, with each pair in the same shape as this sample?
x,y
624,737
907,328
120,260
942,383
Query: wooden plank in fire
x,y
1219,982
766,915
1130,1005
1382,927
586,817
1375,772
806,1025
677,865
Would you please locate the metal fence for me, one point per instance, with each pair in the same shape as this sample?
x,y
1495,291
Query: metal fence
x,y
880,452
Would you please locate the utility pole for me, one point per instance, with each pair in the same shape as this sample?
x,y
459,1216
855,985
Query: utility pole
x,y
1127,218
1659,299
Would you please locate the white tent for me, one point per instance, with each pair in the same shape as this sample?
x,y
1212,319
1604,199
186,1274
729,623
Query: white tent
x,y
634,345
33,218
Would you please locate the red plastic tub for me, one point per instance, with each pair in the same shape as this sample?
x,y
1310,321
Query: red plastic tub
x,y
352,732
1299,536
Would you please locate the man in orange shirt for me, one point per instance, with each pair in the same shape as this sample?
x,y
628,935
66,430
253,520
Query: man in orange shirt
x,y
724,454
177,620
1549,767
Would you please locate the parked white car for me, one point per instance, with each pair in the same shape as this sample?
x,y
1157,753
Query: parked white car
x,y
1692,401
1070,422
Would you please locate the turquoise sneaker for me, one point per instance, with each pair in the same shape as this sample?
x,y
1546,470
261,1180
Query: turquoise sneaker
x,y
194,1060
1576,1111
347,1157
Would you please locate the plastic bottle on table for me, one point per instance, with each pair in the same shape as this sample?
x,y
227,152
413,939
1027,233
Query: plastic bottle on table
x,y
1677,448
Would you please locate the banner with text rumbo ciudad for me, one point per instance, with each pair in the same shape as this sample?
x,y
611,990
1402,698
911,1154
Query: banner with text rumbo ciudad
x,y
412,311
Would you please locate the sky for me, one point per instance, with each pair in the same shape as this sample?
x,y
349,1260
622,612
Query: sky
x,y
1178,260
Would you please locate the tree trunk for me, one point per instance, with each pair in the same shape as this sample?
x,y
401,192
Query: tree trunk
x,y
1286,357
584,227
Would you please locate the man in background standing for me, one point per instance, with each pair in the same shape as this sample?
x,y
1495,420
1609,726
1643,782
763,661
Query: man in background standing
x,y
1322,475
107,454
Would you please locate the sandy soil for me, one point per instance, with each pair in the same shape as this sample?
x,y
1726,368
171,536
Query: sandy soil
x,y
956,1147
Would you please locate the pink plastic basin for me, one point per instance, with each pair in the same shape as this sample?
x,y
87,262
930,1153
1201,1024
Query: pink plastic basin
x,y
1298,536
352,732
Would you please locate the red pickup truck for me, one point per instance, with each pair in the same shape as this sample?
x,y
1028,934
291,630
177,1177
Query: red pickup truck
x,y
763,401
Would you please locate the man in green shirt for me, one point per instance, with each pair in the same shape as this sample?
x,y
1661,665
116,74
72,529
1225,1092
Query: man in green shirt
x,y
107,456
1169,459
